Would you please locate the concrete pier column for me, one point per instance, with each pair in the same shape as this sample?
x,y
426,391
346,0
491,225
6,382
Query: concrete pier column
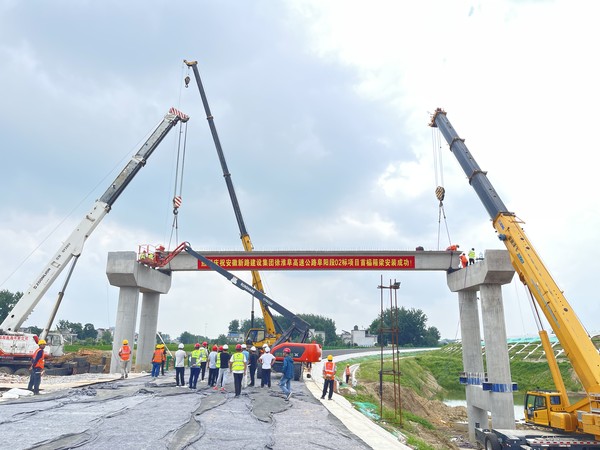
x,y
493,394
123,271
125,322
496,356
472,360
148,328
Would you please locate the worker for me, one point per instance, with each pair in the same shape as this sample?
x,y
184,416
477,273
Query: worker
x,y
348,373
203,360
329,370
472,256
237,366
125,355
463,260
194,366
213,371
180,357
223,368
252,363
452,248
266,360
247,356
157,357
287,373
37,368
164,359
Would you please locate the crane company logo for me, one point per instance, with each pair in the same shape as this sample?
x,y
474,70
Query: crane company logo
x,y
311,262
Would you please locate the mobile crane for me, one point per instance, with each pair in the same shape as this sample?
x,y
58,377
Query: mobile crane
x,y
16,348
578,424
272,331
302,352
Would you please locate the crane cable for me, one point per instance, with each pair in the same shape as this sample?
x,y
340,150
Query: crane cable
x,y
178,189
440,192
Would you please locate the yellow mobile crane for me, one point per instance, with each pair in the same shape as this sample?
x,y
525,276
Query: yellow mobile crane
x,y
272,331
548,409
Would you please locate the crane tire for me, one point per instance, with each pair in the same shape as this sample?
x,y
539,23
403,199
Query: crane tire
x,y
492,442
7,370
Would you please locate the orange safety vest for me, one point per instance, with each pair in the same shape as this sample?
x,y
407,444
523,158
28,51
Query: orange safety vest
x,y
329,370
158,356
40,362
348,370
125,353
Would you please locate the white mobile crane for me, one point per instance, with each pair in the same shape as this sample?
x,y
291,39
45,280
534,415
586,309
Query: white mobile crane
x,y
575,426
16,347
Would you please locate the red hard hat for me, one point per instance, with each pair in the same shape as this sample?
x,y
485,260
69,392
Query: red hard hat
x,y
238,347
197,345
221,347
204,344
215,347
287,350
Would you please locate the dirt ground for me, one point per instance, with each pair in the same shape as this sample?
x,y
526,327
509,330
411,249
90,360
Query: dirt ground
x,y
450,431
93,357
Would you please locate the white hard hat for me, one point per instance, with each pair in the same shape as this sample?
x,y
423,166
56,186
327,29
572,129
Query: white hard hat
x,y
225,346
265,346
267,349
253,348
243,345
180,345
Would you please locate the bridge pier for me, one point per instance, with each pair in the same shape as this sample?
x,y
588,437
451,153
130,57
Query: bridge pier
x,y
124,272
492,391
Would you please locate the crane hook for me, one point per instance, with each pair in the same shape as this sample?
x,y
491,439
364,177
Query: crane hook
x,y
187,81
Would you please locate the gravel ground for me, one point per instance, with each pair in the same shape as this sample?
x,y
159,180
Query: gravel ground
x,y
137,413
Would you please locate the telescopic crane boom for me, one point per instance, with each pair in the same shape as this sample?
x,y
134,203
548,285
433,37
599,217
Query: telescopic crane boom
x,y
556,413
73,246
272,330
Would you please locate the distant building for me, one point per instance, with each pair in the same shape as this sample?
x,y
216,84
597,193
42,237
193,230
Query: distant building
x,y
361,338
346,337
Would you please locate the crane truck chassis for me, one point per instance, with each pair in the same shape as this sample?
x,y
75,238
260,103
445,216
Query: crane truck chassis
x,y
575,426
16,348
301,352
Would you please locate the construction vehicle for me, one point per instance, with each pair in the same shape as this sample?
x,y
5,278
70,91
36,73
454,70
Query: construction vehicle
x,y
577,425
272,331
301,351
16,348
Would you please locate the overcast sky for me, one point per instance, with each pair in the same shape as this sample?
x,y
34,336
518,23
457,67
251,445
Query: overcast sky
x,y
322,109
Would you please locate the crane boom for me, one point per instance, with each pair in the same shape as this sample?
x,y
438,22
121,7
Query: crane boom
x,y
569,330
271,328
73,246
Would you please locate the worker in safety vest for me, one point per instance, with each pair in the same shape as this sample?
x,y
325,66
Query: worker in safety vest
x,y
157,358
452,248
125,355
472,256
329,376
463,260
247,356
194,366
164,359
37,368
203,359
237,366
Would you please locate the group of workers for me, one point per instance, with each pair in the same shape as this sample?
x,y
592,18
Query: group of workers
x,y
466,259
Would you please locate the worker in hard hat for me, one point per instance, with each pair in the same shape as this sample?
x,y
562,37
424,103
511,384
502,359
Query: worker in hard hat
x,y
247,356
157,357
252,363
194,366
237,366
37,367
164,359
223,368
213,371
180,357
287,373
203,360
125,358
329,376
266,360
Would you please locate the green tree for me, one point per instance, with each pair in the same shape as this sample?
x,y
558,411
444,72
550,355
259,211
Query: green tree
x,y
107,337
405,327
234,326
187,338
247,324
73,327
35,330
8,300
89,332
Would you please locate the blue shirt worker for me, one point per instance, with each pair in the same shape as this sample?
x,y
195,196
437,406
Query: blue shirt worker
x,y
287,374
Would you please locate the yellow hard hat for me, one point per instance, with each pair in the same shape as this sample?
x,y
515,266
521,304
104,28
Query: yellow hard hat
x,y
157,345
329,357
41,342
125,342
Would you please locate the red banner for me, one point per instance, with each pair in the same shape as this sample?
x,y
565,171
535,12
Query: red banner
x,y
311,262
